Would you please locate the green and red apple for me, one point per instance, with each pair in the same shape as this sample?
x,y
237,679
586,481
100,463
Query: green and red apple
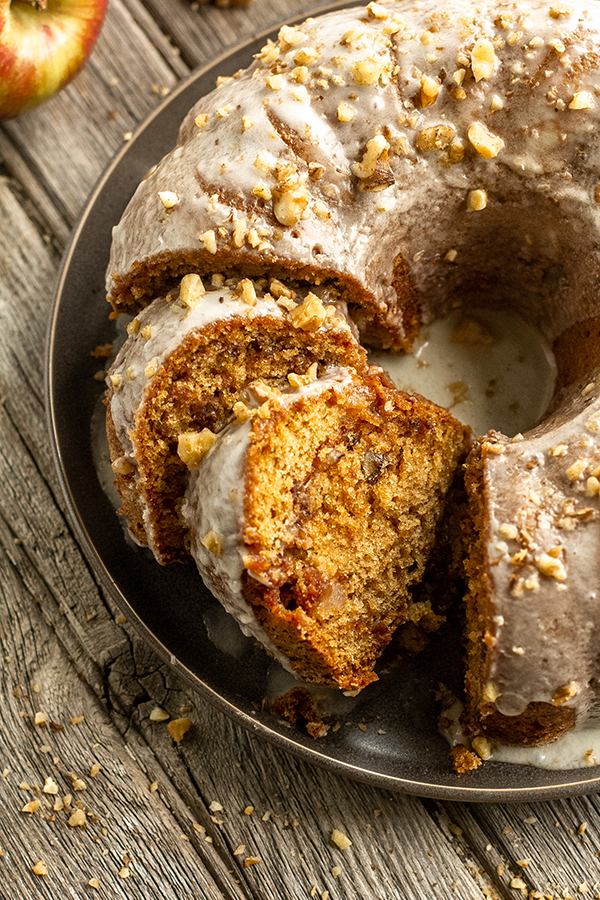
x,y
43,44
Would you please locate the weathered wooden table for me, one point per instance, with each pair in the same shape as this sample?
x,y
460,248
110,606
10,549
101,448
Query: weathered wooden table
x,y
95,797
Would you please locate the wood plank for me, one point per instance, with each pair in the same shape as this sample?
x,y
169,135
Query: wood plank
x,y
552,847
202,32
124,818
58,631
67,143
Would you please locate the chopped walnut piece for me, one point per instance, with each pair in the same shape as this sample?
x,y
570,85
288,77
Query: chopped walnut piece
x,y
376,148
31,807
490,692
345,113
485,143
558,450
239,233
246,291
321,211
251,861
269,53
169,199
178,728
152,367
309,377
278,289
377,11
289,203
559,10
593,423
430,88
40,868
551,567
493,448
213,543
50,786
353,35
300,74
483,57
275,82
123,466
310,315
261,190
340,839
192,447
299,93
77,819
209,240
455,153
582,100
306,56
289,37
191,290
241,411
576,470
366,71
476,200
565,693
592,487
201,120
482,747
437,137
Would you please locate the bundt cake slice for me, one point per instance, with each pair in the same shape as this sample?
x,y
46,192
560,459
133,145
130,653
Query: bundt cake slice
x,y
534,573
314,513
186,363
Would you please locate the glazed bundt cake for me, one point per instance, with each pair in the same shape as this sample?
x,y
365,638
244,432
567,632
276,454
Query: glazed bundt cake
x,y
186,363
407,159
535,575
314,513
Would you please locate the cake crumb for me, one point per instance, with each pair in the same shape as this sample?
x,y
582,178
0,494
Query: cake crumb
x,y
298,706
464,760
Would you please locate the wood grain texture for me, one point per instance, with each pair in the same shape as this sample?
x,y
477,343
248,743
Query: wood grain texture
x,y
167,819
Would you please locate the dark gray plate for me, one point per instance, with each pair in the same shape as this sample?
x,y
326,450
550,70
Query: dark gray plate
x,y
170,606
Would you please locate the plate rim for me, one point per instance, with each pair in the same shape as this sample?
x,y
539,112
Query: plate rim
x,y
308,754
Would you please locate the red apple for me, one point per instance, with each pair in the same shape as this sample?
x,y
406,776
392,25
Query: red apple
x,y
43,44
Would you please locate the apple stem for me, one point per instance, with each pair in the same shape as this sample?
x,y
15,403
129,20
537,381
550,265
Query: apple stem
x,y
38,4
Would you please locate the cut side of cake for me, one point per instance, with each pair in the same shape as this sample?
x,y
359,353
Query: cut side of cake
x,y
187,362
312,517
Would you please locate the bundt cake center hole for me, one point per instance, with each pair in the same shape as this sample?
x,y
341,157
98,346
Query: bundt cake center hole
x,y
489,367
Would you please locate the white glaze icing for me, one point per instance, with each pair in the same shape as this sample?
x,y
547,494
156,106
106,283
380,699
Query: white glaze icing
x,y
542,561
538,100
579,749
